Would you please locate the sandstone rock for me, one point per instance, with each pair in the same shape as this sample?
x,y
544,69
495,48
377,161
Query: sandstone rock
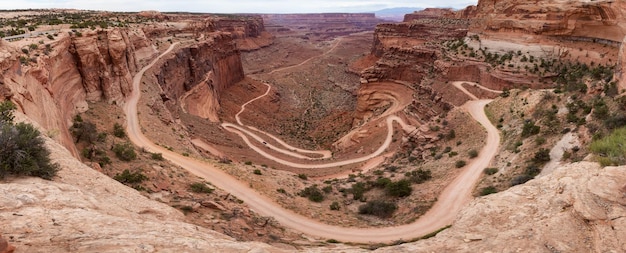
x,y
213,205
5,247
580,207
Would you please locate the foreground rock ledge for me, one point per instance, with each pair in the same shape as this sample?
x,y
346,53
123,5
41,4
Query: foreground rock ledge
x,y
580,207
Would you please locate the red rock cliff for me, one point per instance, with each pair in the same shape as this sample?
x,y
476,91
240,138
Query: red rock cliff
x,y
71,70
196,75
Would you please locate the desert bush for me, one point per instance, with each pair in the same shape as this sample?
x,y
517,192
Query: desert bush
x,y
358,190
84,131
400,188
118,131
22,152
541,157
488,190
124,152
200,188
303,176
419,176
257,172
380,208
129,178
334,206
491,171
473,153
157,156
460,163
312,193
529,129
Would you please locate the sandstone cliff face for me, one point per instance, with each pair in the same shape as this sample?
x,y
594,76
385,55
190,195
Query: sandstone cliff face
x,y
107,61
214,64
55,86
573,30
248,31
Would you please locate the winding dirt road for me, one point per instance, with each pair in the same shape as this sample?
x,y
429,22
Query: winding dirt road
x,y
443,213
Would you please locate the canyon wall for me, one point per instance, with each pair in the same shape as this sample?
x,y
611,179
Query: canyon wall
x,y
212,65
574,30
54,86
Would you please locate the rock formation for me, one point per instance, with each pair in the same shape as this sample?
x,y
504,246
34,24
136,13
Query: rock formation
x,y
107,61
325,25
5,247
214,64
580,207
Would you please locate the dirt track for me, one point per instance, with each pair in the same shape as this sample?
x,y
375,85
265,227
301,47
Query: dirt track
x,y
443,213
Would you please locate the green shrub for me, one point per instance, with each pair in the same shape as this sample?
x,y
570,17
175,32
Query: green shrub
x,y
313,194
400,188
541,157
611,150
303,176
529,129
419,176
488,190
473,153
382,182
460,164
334,206
327,189
84,130
127,177
6,112
248,163
124,152
358,190
281,190
157,156
200,188
379,208
118,131
257,172
491,171
22,151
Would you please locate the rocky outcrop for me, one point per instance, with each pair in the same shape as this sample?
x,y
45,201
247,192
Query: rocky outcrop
x,y
108,59
620,72
247,30
70,71
214,63
580,207
573,30
5,247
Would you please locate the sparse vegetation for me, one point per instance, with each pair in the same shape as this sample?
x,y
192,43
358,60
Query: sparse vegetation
x,y
488,190
491,171
257,172
118,131
125,151
460,163
22,150
201,188
610,150
380,208
312,193
130,178
400,189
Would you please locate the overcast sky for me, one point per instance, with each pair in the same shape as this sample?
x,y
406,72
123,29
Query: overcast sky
x,y
234,6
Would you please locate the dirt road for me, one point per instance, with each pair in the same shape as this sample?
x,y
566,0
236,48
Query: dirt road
x,y
451,200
